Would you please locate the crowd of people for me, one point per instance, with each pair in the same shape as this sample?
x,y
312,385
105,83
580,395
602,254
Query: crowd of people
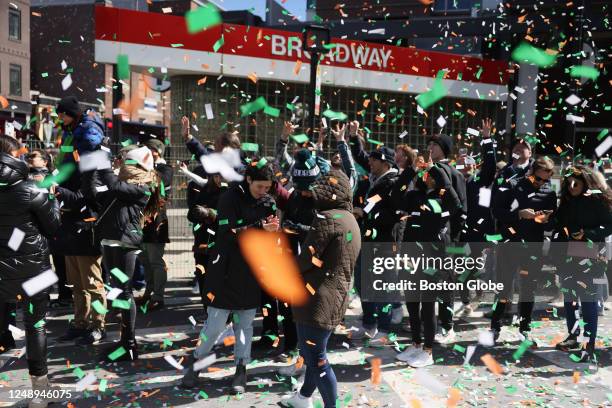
x,y
100,222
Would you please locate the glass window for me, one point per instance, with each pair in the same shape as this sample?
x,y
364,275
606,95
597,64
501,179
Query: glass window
x,y
15,80
452,5
14,24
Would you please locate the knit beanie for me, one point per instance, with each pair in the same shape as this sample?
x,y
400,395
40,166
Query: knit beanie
x,y
444,141
70,106
305,170
384,154
142,156
155,144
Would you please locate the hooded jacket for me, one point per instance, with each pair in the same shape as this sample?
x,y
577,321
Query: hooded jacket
x,y
335,238
26,207
231,284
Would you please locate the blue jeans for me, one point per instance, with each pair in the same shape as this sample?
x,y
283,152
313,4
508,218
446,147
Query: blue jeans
x,y
214,326
589,315
319,374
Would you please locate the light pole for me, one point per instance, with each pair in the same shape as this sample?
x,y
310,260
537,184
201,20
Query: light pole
x,y
314,39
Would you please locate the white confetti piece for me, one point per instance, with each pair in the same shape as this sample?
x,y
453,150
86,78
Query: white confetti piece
x,y
64,66
380,31
205,362
101,189
486,338
572,100
468,354
166,10
192,321
441,121
473,132
369,207
97,160
223,163
113,293
430,382
574,118
67,82
484,197
39,283
603,147
173,362
86,381
17,332
242,338
519,89
209,111
403,134
16,238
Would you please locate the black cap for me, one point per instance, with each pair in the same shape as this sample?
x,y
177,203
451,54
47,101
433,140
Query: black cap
x,y
444,141
70,106
385,154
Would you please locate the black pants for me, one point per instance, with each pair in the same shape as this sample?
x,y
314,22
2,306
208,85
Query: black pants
x,y
270,322
35,327
59,262
123,259
422,313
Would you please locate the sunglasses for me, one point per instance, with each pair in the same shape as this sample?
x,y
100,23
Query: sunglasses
x,y
540,179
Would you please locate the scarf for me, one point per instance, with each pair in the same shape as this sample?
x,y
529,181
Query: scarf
x,y
136,175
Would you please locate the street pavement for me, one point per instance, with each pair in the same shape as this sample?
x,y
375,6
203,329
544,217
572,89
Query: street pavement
x,y
543,377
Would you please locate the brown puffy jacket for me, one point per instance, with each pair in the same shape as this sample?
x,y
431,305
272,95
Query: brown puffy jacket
x,y
328,255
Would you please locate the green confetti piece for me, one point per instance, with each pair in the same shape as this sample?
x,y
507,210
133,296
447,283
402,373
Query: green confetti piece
x,y
126,143
218,44
64,172
117,353
455,250
532,55
121,304
300,139
196,227
99,307
78,372
602,134
374,142
224,221
349,236
66,149
203,394
437,92
430,271
123,66
480,70
494,238
269,110
522,349
511,389
584,72
202,18
290,106
249,147
30,308
459,348
118,273
330,114
39,323
252,107
574,358
103,384
435,206
44,74
177,45
374,233
262,162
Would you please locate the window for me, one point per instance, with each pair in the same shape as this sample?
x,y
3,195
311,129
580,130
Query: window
x,y
15,80
452,5
14,24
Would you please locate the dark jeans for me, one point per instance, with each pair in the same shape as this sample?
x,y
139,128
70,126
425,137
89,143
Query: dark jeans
x,y
589,315
35,328
422,313
374,314
59,262
319,373
445,308
275,307
123,259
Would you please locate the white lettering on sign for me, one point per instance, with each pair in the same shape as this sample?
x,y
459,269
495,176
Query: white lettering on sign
x,y
358,54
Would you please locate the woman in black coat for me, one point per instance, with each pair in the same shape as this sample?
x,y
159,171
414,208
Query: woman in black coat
x,y
124,201
584,220
231,284
28,211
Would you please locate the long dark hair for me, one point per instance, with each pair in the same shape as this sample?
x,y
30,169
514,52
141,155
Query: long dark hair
x,y
591,180
8,144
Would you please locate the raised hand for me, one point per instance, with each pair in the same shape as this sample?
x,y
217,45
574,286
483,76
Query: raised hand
x,y
339,132
487,124
185,127
288,130
353,128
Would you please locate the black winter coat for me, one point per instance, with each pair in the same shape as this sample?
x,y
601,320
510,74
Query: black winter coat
x,y
121,206
203,203
75,236
231,282
156,230
297,218
26,207
459,214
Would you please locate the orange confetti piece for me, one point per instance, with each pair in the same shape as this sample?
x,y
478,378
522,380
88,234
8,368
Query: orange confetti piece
x,y
253,77
269,256
376,376
317,262
91,219
454,397
299,363
76,156
576,377
22,150
276,341
523,272
492,364
297,67
310,289
4,102
202,81
416,403
264,311
210,296
558,338
366,103
229,341
205,66
333,180
311,343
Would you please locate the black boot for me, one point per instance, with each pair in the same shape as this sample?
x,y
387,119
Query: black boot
x,y
240,380
570,343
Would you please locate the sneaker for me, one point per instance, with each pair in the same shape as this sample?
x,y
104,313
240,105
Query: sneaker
x,y
73,333
408,352
296,400
527,336
228,332
421,359
380,339
293,370
446,337
282,358
94,336
362,333
397,315
465,311
195,288
570,343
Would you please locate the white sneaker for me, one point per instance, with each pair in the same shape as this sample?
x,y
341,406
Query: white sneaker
x,y
397,315
295,400
362,333
380,339
408,352
292,370
228,332
445,337
421,359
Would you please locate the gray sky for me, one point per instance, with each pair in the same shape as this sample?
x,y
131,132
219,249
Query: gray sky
x,y
296,7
